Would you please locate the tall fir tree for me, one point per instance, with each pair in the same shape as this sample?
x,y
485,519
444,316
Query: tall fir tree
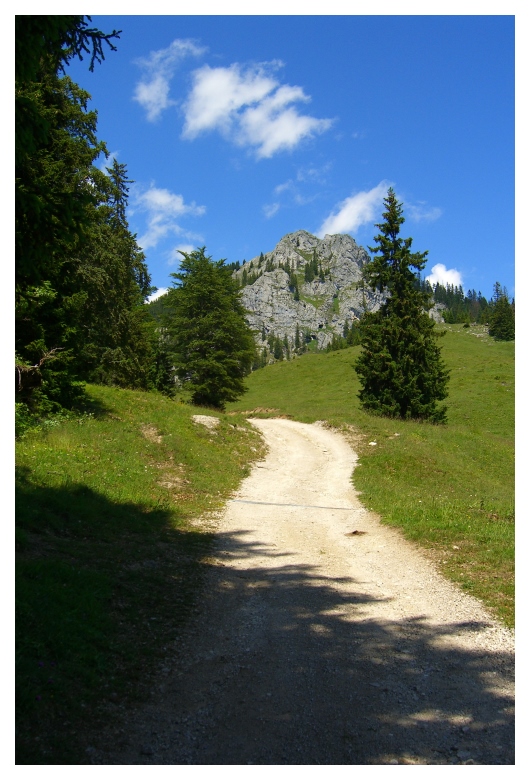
x,y
81,279
118,335
502,318
211,344
400,366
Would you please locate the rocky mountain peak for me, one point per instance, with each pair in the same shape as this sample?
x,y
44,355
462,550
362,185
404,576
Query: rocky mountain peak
x,y
310,282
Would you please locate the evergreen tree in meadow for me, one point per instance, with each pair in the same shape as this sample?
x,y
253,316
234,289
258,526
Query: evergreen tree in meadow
x,y
400,366
210,342
502,319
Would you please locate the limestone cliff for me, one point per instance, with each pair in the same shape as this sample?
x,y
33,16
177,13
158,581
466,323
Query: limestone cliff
x,y
324,304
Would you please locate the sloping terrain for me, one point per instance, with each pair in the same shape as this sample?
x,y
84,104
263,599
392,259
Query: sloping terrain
x,y
324,638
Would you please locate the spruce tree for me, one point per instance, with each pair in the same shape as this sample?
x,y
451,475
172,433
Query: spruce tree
x,y
400,366
277,348
502,320
211,344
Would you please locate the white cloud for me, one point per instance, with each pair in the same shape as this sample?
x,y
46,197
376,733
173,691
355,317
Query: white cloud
x,y
175,258
163,208
274,124
152,91
314,174
218,93
158,294
186,248
421,212
250,108
302,200
291,189
355,211
287,185
442,275
270,209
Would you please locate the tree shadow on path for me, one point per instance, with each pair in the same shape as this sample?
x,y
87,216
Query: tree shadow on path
x,y
286,667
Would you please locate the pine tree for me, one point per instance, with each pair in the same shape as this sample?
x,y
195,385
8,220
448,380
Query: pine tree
x,y
297,343
502,320
55,141
212,346
400,366
118,339
277,348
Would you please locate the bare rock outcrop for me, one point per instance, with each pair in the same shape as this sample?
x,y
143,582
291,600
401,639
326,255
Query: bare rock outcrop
x,y
323,304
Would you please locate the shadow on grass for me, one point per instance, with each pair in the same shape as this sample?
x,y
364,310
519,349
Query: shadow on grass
x,y
88,404
291,672
101,588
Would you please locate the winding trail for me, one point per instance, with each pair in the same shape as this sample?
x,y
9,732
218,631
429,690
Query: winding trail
x,y
324,637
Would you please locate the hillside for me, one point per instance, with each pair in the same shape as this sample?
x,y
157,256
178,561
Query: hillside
x,y
110,555
448,487
111,558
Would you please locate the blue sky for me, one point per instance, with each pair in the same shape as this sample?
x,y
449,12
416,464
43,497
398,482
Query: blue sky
x,y
240,129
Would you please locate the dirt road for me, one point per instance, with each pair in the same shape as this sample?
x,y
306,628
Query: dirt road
x,y
324,638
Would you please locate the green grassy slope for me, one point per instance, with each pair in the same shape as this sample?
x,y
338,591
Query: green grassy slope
x,y
450,488
108,564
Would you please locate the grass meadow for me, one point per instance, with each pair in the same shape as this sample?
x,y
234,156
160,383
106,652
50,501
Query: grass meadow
x,y
450,488
109,564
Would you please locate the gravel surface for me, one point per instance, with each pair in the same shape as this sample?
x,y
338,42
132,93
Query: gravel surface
x,y
323,638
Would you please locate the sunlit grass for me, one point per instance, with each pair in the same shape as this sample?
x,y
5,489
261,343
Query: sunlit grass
x,y
449,488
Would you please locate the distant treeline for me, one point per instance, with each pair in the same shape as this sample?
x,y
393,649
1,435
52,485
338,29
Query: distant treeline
x,y
461,308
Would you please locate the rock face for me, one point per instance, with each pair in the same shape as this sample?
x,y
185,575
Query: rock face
x,y
335,296
437,312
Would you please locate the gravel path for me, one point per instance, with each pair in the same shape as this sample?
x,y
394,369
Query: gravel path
x,y
324,638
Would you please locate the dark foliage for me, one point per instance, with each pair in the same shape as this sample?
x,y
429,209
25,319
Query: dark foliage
x,y
81,279
211,345
502,318
400,367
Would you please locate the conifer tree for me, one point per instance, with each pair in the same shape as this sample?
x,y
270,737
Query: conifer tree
x,y
81,279
502,320
277,348
118,342
211,344
400,366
